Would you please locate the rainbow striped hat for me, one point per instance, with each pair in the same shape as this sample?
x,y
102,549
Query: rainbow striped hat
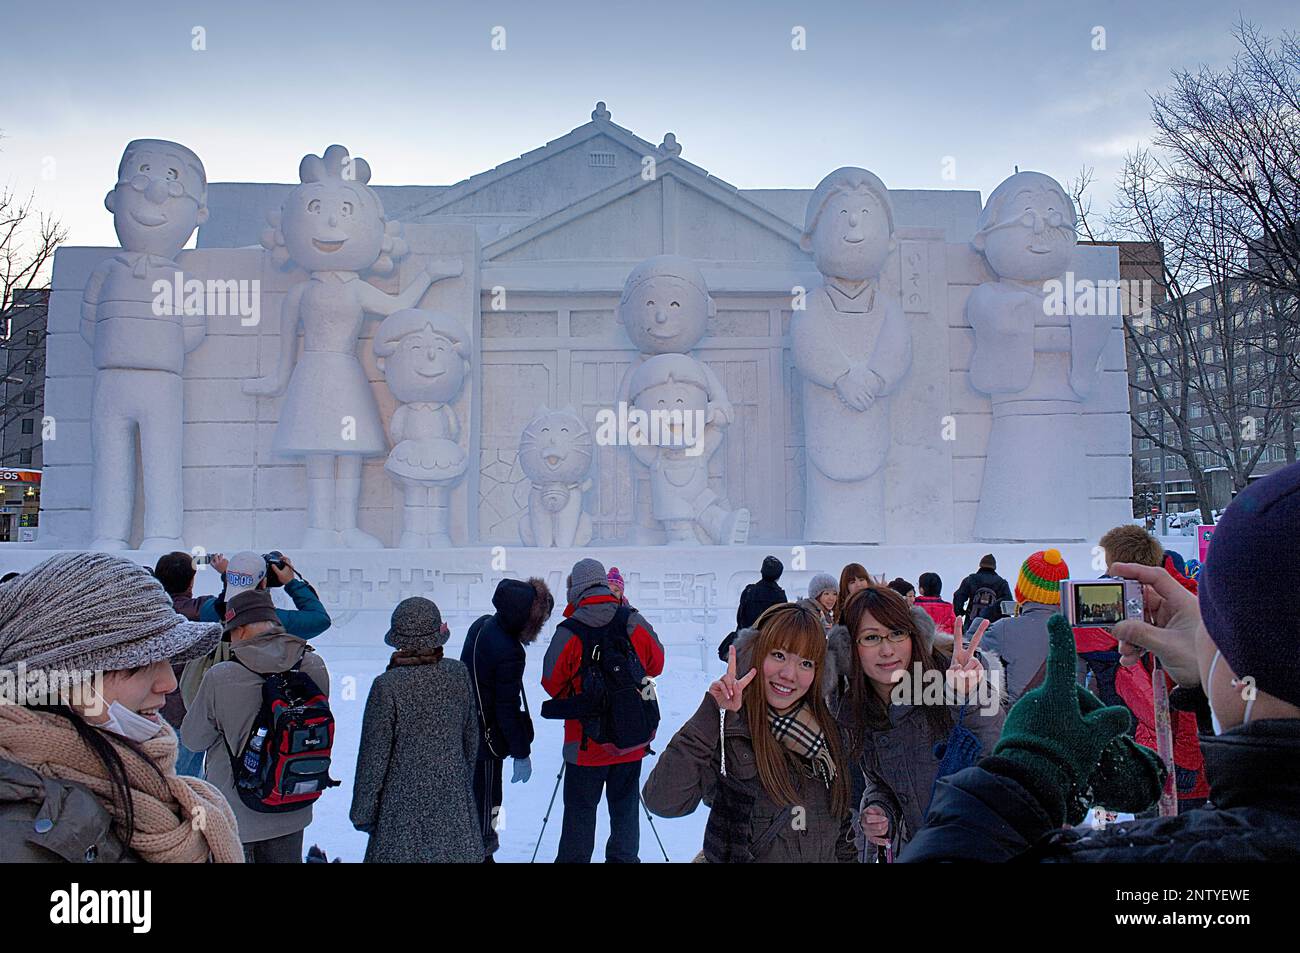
x,y
1040,578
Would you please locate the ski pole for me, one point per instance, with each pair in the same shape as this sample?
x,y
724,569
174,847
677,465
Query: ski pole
x,y
538,845
653,828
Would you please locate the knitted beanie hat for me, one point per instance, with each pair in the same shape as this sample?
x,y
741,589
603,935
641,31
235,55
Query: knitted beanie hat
x,y
615,579
94,612
1249,582
823,582
1040,578
586,573
417,626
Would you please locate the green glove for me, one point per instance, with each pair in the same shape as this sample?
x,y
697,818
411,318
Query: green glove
x,y
1050,735
1130,777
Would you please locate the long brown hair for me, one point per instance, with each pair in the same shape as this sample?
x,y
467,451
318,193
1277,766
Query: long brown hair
x,y
851,573
790,627
866,711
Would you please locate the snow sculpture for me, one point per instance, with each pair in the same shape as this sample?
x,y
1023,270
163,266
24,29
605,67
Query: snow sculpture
x,y
333,226
672,434
1037,366
139,345
425,358
555,453
853,347
665,308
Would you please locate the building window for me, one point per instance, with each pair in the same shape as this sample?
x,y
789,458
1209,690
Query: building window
x,y
24,458
33,338
29,425
29,397
29,367
1171,463
601,160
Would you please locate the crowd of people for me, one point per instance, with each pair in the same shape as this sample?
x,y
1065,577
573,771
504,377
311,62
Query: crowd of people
x,y
866,720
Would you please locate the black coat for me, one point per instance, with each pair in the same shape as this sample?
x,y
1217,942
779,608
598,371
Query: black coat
x,y
983,578
990,812
497,673
756,598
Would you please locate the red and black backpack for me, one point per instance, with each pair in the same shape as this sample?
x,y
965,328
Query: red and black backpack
x,y
294,762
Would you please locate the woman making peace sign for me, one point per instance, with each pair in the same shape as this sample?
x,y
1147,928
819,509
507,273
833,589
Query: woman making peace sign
x,y
904,695
763,752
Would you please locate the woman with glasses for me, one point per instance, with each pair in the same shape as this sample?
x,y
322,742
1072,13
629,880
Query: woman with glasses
x,y
1039,336
764,752
906,690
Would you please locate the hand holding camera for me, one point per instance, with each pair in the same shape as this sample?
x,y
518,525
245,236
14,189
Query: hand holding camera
x,y
1168,627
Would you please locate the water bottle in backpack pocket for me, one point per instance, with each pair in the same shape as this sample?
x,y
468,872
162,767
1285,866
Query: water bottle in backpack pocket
x,y
284,765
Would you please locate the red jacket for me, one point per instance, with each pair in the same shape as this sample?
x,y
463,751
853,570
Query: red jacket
x,y
940,611
560,675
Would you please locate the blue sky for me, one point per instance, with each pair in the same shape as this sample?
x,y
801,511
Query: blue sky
x,y
417,89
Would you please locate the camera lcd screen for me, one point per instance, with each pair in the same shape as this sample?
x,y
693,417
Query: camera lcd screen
x,y
1098,603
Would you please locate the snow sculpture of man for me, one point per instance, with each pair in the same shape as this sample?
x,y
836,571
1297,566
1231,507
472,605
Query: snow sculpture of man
x,y
139,347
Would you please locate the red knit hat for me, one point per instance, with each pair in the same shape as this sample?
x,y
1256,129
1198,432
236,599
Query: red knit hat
x,y
1040,578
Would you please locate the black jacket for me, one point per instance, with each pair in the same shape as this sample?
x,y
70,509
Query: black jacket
x,y
992,813
984,578
755,599
497,673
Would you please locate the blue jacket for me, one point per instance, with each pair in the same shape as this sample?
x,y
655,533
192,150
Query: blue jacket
x,y
308,620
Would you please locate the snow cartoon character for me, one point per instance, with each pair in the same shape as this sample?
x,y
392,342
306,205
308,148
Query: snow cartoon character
x,y
675,439
425,358
1036,364
665,308
555,454
333,225
139,349
852,347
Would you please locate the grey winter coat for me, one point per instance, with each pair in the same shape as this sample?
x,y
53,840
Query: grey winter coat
x,y
1021,643
413,788
81,830
898,766
220,719
743,820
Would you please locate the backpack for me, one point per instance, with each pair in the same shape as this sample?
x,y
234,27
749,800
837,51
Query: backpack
x,y
984,600
617,705
292,760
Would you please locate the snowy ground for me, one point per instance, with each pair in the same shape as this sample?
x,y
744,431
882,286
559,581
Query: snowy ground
x,y
681,687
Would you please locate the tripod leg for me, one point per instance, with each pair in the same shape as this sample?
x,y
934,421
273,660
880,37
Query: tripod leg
x,y
538,845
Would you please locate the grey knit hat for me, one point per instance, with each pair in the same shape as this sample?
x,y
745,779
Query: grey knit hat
x,y
822,582
417,626
586,573
94,612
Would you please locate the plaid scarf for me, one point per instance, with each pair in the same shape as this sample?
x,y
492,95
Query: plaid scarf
x,y
798,731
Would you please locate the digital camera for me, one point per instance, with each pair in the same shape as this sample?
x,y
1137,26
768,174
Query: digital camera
x,y
1101,603
273,558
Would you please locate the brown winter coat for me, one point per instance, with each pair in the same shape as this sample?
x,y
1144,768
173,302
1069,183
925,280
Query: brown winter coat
x,y
689,771
81,829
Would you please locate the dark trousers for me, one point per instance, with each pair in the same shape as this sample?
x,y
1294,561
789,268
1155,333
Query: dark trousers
x,y
278,850
582,787
487,796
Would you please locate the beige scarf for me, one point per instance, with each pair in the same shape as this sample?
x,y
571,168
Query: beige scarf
x,y
177,820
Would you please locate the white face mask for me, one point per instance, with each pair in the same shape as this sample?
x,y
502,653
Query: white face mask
x,y
1214,718
128,724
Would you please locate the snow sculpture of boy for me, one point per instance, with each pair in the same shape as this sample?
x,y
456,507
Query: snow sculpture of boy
x,y
1037,366
333,225
425,357
139,350
665,308
852,346
675,444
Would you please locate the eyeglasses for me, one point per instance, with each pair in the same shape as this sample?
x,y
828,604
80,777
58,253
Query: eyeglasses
x,y
873,641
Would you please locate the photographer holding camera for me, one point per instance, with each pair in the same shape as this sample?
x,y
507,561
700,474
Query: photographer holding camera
x,y
248,570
